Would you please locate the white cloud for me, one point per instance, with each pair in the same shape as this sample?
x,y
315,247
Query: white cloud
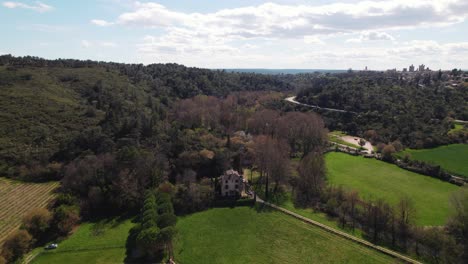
x,y
101,23
86,44
38,7
271,20
371,36
313,40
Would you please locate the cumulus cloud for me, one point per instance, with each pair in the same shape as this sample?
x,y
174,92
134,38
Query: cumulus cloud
x,y
296,21
102,23
372,36
38,6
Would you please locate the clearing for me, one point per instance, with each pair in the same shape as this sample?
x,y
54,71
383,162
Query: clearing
x,y
100,242
17,199
245,235
377,179
453,158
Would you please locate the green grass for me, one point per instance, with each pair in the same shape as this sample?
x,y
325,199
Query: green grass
x,y
101,242
453,158
376,179
317,216
456,128
243,235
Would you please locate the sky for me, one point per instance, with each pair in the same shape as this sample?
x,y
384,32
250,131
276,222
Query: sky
x,y
281,34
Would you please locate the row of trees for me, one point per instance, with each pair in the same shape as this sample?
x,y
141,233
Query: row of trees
x,y
153,235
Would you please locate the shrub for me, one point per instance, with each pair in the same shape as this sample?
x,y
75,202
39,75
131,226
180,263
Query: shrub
x,y
66,217
16,245
37,221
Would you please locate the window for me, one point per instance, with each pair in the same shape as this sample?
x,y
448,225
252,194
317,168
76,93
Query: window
x,y
237,186
226,181
226,187
237,181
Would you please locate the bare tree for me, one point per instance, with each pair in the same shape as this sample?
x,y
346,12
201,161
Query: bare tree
x,y
311,178
405,217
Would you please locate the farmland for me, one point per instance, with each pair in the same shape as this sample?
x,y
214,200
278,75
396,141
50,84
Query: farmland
x,y
245,235
100,242
16,199
452,158
377,179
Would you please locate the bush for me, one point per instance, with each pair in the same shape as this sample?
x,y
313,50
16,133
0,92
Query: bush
x,y
16,245
66,217
37,222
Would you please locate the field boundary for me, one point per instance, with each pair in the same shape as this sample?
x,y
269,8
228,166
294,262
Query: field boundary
x,y
383,250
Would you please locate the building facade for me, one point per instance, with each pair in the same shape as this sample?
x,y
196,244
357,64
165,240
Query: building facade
x,y
232,184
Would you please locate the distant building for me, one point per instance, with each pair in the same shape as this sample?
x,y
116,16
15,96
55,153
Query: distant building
x,y
232,183
405,69
411,68
422,67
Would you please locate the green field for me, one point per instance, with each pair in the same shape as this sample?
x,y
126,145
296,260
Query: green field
x,y
453,158
243,235
102,242
376,179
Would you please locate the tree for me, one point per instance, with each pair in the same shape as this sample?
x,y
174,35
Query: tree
x,y
272,159
16,245
362,142
405,214
311,178
458,223
387,152
37,221
66,217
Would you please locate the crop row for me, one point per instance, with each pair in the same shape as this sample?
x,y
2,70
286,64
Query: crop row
x,y
17,199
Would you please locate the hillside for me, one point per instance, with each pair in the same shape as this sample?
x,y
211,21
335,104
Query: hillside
x,y
45,105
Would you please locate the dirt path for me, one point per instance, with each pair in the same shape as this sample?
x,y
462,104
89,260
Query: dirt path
x,y
355,140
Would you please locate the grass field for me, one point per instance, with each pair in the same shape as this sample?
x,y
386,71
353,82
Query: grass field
x,y
17,199
243,235
101,242
377,179
453,158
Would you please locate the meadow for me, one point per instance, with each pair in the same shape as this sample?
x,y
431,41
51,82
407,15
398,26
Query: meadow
x,y
17,199
99,242
453,158
250,235
376,179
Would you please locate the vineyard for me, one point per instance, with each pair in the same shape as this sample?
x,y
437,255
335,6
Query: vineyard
x,y
16,199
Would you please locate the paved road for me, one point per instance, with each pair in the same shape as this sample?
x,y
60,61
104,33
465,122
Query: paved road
x,y
292,99
340,233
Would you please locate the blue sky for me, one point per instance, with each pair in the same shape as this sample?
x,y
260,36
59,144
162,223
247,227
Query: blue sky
x,y
242,34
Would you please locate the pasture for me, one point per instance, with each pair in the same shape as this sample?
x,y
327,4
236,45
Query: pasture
x,y
376,179
100,242
453,158
17,199
245,235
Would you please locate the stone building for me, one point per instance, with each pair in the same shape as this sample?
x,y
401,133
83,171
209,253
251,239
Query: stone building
x,y
232,183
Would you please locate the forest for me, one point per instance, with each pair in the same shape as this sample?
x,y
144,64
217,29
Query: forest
x,y
152,141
